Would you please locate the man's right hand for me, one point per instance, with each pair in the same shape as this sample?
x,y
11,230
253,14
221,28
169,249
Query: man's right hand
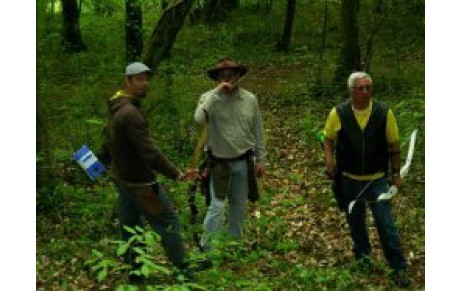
x,y
331,169
329,157
225,87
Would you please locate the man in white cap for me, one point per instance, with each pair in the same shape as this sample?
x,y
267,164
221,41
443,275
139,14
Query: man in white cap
x,y
135,162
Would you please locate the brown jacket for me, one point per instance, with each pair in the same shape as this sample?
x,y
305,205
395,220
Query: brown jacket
x,y
135,157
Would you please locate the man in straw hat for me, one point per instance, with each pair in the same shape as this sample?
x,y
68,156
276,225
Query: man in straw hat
x,y
235,140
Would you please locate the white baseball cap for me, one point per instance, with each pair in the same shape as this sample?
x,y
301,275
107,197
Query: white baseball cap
x,y
136,69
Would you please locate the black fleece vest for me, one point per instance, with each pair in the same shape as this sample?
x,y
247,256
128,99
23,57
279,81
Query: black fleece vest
x,y
362,152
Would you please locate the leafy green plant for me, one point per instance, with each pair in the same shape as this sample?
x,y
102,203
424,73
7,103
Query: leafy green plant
x,y
140,244
102,266
49,199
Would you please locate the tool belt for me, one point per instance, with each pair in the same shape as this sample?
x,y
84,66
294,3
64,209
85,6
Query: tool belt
x,y
148,198
220,172
146,194
242,157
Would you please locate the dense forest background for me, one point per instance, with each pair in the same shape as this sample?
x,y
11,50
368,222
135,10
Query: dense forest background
x,y
299,54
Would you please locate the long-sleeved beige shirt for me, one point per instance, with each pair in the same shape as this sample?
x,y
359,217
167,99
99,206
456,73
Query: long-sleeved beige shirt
x,y
234,123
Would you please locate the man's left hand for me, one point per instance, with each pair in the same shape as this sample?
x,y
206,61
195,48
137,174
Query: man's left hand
x,y
397,181
189,175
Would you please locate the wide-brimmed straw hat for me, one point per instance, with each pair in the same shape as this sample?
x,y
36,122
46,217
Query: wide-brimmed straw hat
x,y
227,64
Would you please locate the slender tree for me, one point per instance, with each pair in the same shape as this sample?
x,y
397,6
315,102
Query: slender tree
x,y
71,35
164,34
323,42
43,167
233,3
104,8
52,9
264,6
379,17
284,42
211,11
133,28
349,60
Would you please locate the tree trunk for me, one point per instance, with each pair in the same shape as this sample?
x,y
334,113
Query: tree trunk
x,y
378,6
283,44
52,10
164,4
214,10
264,6
378,18
233,3
71,36
164,34
104,8
323,43
349,60
133,28
211,11
43,164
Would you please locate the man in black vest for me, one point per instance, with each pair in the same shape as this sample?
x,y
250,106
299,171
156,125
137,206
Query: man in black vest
x,y
364,134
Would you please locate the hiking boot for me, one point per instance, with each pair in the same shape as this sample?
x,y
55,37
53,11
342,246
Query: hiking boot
x,y
135,279
185,274
363,265
201,265
364,262
400,278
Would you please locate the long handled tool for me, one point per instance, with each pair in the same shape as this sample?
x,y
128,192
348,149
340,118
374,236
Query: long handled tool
x,y
194,185
404,170
239,80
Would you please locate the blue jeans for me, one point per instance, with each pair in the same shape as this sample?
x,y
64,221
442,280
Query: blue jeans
x,y
381,211
165,224
237,196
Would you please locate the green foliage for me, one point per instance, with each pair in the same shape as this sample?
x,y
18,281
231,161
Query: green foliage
x,y
101,266
48,199
282,249
309,127
141,244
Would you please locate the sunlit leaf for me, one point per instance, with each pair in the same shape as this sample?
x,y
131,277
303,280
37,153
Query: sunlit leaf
x,y
102,274
122,249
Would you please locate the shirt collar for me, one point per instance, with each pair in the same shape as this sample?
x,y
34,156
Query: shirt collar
x,y
362,111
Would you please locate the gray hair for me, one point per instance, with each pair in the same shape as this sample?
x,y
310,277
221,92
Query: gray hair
x,y
356,76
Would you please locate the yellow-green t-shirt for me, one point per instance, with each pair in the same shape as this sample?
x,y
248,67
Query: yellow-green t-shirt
x,y
333,126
